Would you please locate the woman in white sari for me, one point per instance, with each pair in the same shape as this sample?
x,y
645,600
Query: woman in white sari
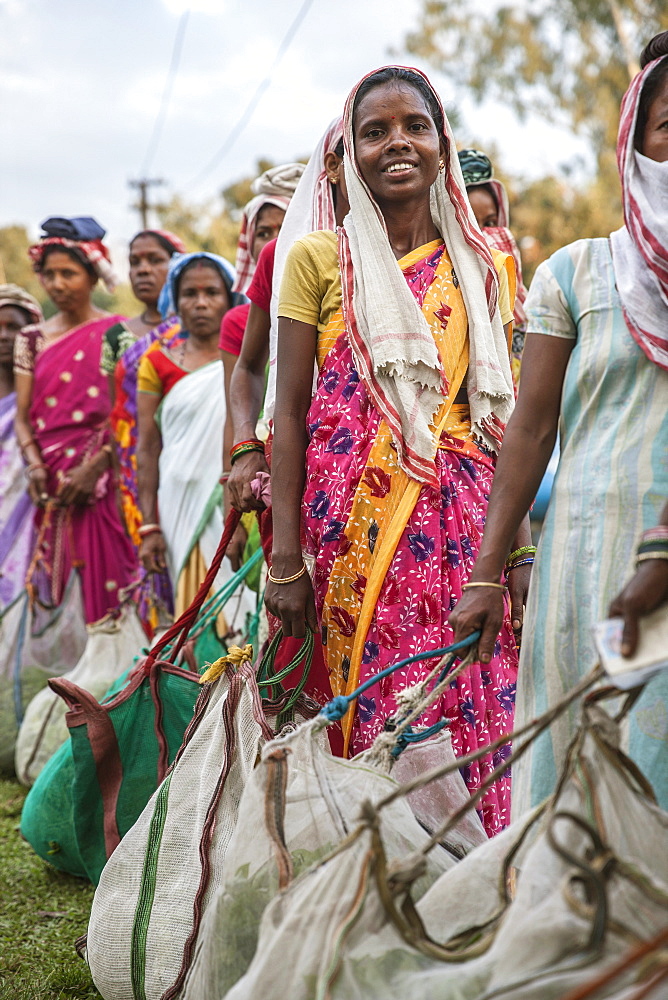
x,y
181,412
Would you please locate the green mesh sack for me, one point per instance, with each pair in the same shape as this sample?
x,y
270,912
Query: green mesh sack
x,y
95,787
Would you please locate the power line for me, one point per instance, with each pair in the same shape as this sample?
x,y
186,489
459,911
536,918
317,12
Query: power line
x,y
166,93
245,117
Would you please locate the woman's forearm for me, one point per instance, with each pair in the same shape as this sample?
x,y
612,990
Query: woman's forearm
x,y
522,463
288,473
148,479
245,400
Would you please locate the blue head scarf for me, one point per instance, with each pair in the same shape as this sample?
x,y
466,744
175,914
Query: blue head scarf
x,y
167,303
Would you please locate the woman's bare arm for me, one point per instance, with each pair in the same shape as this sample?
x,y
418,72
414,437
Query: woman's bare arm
x,y
245,398
646,591
149,447
37,477
527,446
293,603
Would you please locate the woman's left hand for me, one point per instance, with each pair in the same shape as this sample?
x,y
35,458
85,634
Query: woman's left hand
x,y
518,587
78,486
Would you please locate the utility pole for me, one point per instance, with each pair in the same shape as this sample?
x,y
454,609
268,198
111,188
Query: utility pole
x,y
142,205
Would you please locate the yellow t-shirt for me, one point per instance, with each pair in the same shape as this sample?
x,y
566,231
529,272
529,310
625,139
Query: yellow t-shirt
x,y
311,286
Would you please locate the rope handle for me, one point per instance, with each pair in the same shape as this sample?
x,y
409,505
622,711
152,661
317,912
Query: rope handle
x,y
181,627
337,707
267,681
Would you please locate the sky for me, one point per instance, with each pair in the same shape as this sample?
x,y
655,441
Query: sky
x,y
82,84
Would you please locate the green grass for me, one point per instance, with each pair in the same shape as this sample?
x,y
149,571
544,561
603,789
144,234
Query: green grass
x,y
42,913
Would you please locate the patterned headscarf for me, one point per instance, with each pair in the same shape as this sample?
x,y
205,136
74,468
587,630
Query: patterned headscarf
x,y
169,241
273,187
392,344
478,172
640,248
83,235
168,301
14,295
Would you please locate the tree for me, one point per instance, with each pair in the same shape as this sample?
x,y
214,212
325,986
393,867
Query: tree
x,y
566,60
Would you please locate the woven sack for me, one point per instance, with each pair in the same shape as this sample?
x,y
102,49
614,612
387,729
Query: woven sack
x,y
111,645
298,805
533,914
34,646
152,894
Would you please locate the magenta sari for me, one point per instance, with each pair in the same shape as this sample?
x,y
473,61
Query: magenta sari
x,y
70,420
350,475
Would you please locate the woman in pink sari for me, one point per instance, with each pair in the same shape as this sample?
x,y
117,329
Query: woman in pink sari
x,y
385,473
62,427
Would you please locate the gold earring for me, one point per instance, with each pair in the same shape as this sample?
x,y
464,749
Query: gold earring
x,y
332,180
441,166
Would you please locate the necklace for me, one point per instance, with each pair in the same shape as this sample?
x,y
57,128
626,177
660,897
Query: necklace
x,y
144,320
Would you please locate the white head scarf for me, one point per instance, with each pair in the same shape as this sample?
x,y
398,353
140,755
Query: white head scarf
x,y
640,248
391,341
311,209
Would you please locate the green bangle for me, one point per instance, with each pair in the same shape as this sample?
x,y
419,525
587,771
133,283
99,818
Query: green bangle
x,y
525,550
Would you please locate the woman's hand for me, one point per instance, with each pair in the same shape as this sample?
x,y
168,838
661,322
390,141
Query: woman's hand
x,y
518,588
78,485
152,552
38,481
294,604
647,591
242,474
482,609
235,550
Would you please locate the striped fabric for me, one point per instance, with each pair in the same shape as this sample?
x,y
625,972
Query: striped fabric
x,y
611,484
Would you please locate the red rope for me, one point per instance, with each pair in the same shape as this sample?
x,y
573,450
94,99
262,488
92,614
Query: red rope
x,y
182,626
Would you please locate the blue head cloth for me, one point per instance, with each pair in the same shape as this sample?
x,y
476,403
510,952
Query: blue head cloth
x,y
82,228
167,303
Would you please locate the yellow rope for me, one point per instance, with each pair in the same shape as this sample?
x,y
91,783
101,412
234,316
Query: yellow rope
x,y
235,657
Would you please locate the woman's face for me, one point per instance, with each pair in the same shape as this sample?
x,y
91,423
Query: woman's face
x,y
149,263
12,321
396,143
484,207
267,227
655,139
67,282
203,300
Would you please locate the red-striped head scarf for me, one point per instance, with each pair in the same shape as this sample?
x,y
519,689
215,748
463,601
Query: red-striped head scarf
x,y
640,248
273,187
392,344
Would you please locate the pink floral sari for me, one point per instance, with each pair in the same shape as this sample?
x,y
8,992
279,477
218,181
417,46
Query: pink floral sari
x,y
351,475
69,416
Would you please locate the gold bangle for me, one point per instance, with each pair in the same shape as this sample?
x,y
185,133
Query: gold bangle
x,y
497,586
286,579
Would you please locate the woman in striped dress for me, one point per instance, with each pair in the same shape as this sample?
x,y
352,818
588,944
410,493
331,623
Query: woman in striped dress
x,y
596,365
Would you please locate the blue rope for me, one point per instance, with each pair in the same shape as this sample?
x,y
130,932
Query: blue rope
x,y
337,707
416,736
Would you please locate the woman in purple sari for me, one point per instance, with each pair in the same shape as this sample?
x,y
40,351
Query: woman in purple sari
x,y
17,309
62,426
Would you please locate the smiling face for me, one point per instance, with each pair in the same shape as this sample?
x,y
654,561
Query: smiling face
x,y
149,262
203,300
67,282
12,321
655,137
484,206
267,227
396,143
